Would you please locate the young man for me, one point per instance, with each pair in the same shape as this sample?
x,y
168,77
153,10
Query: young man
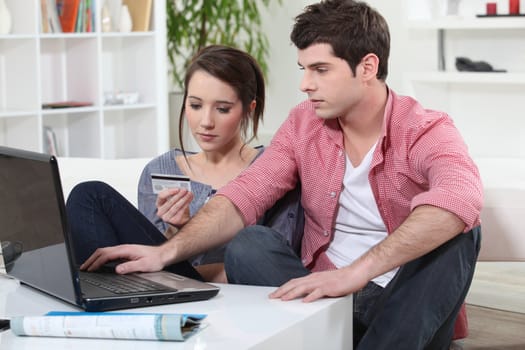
x,y
390,195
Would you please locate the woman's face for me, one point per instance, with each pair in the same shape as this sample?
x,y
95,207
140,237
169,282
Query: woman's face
x,y
214,112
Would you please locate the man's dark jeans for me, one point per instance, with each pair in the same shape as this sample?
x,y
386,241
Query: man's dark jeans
x,y
416,310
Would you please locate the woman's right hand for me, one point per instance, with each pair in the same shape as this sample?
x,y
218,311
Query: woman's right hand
x,y
173,206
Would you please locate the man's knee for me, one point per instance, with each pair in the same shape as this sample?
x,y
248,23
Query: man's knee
x,y
249,243
476,235
464,246
253,256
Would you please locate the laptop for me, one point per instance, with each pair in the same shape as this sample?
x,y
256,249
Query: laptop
x,y
36,242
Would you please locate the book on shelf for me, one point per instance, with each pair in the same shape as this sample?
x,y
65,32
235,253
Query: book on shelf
x,y
72,16
140,12
90,16
68,12
85,17
80,17
44,22
53,20
66,104
110,325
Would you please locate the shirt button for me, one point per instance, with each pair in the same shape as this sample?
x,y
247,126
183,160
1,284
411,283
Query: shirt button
x,y
304,261
332,194
340,152
325,233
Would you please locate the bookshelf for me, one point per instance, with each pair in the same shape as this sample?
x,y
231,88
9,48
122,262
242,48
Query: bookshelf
x,y
486,106
38,68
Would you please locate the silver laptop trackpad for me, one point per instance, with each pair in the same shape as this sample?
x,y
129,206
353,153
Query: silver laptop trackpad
x,y
175,281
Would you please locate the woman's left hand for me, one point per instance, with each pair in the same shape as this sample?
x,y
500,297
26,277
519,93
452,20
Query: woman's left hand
x,y
173,206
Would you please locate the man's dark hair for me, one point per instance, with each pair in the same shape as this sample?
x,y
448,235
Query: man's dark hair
x,y
352,28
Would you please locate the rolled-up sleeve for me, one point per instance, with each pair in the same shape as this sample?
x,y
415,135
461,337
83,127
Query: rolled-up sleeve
x,y
273,174
453,178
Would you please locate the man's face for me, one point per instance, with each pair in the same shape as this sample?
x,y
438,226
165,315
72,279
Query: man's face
x,y
329,81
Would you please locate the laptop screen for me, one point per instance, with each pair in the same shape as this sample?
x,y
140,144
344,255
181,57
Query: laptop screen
x,y
32,222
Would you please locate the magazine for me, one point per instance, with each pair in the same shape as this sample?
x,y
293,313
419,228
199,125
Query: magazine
x,y
111,325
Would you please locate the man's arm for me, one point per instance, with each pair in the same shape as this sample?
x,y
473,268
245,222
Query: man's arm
x,y
425,229
216,223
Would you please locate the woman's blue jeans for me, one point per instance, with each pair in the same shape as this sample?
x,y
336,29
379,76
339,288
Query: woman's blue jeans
x,y
416,310
99,216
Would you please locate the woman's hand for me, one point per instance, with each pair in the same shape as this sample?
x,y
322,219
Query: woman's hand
x,y
173,206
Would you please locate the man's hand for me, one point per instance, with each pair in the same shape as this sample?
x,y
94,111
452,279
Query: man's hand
x,y
140,258
317,285
425,229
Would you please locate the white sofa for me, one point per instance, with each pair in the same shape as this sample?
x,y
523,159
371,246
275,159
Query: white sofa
x,y
504,207
122,174
503,179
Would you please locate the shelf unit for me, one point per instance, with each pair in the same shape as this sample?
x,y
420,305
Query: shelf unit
x,y
469,23
467,77
37,68
491,27
486,106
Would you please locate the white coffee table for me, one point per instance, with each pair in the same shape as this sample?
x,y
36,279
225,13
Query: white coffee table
x,y
239,317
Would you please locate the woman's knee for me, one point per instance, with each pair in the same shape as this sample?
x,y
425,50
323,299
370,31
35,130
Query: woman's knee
x,y
88,189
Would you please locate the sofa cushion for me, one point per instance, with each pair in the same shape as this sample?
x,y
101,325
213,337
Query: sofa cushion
x,y
122,174
504,205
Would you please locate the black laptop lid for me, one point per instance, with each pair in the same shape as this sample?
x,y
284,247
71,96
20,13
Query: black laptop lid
x,y
32,222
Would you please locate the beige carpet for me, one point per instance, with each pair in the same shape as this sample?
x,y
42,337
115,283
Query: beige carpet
x,y
499,285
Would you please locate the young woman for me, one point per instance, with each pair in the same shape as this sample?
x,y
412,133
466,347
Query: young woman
x,y
224,95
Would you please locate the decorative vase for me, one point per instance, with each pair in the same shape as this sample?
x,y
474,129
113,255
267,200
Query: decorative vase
x,y
107,25
5,18
125,20
514,7
453,7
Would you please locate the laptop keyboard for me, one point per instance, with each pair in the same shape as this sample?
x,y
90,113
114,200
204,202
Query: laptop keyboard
x,y
122,284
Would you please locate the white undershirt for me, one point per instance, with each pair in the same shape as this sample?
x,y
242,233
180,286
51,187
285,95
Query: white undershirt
x,y
358,225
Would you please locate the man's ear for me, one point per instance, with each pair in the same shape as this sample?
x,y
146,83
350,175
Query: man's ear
x,y
370,65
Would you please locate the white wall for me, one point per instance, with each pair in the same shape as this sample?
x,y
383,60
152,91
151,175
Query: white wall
x,y
284,75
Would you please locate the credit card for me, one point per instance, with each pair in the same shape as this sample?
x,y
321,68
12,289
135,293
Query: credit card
x,y
162,181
